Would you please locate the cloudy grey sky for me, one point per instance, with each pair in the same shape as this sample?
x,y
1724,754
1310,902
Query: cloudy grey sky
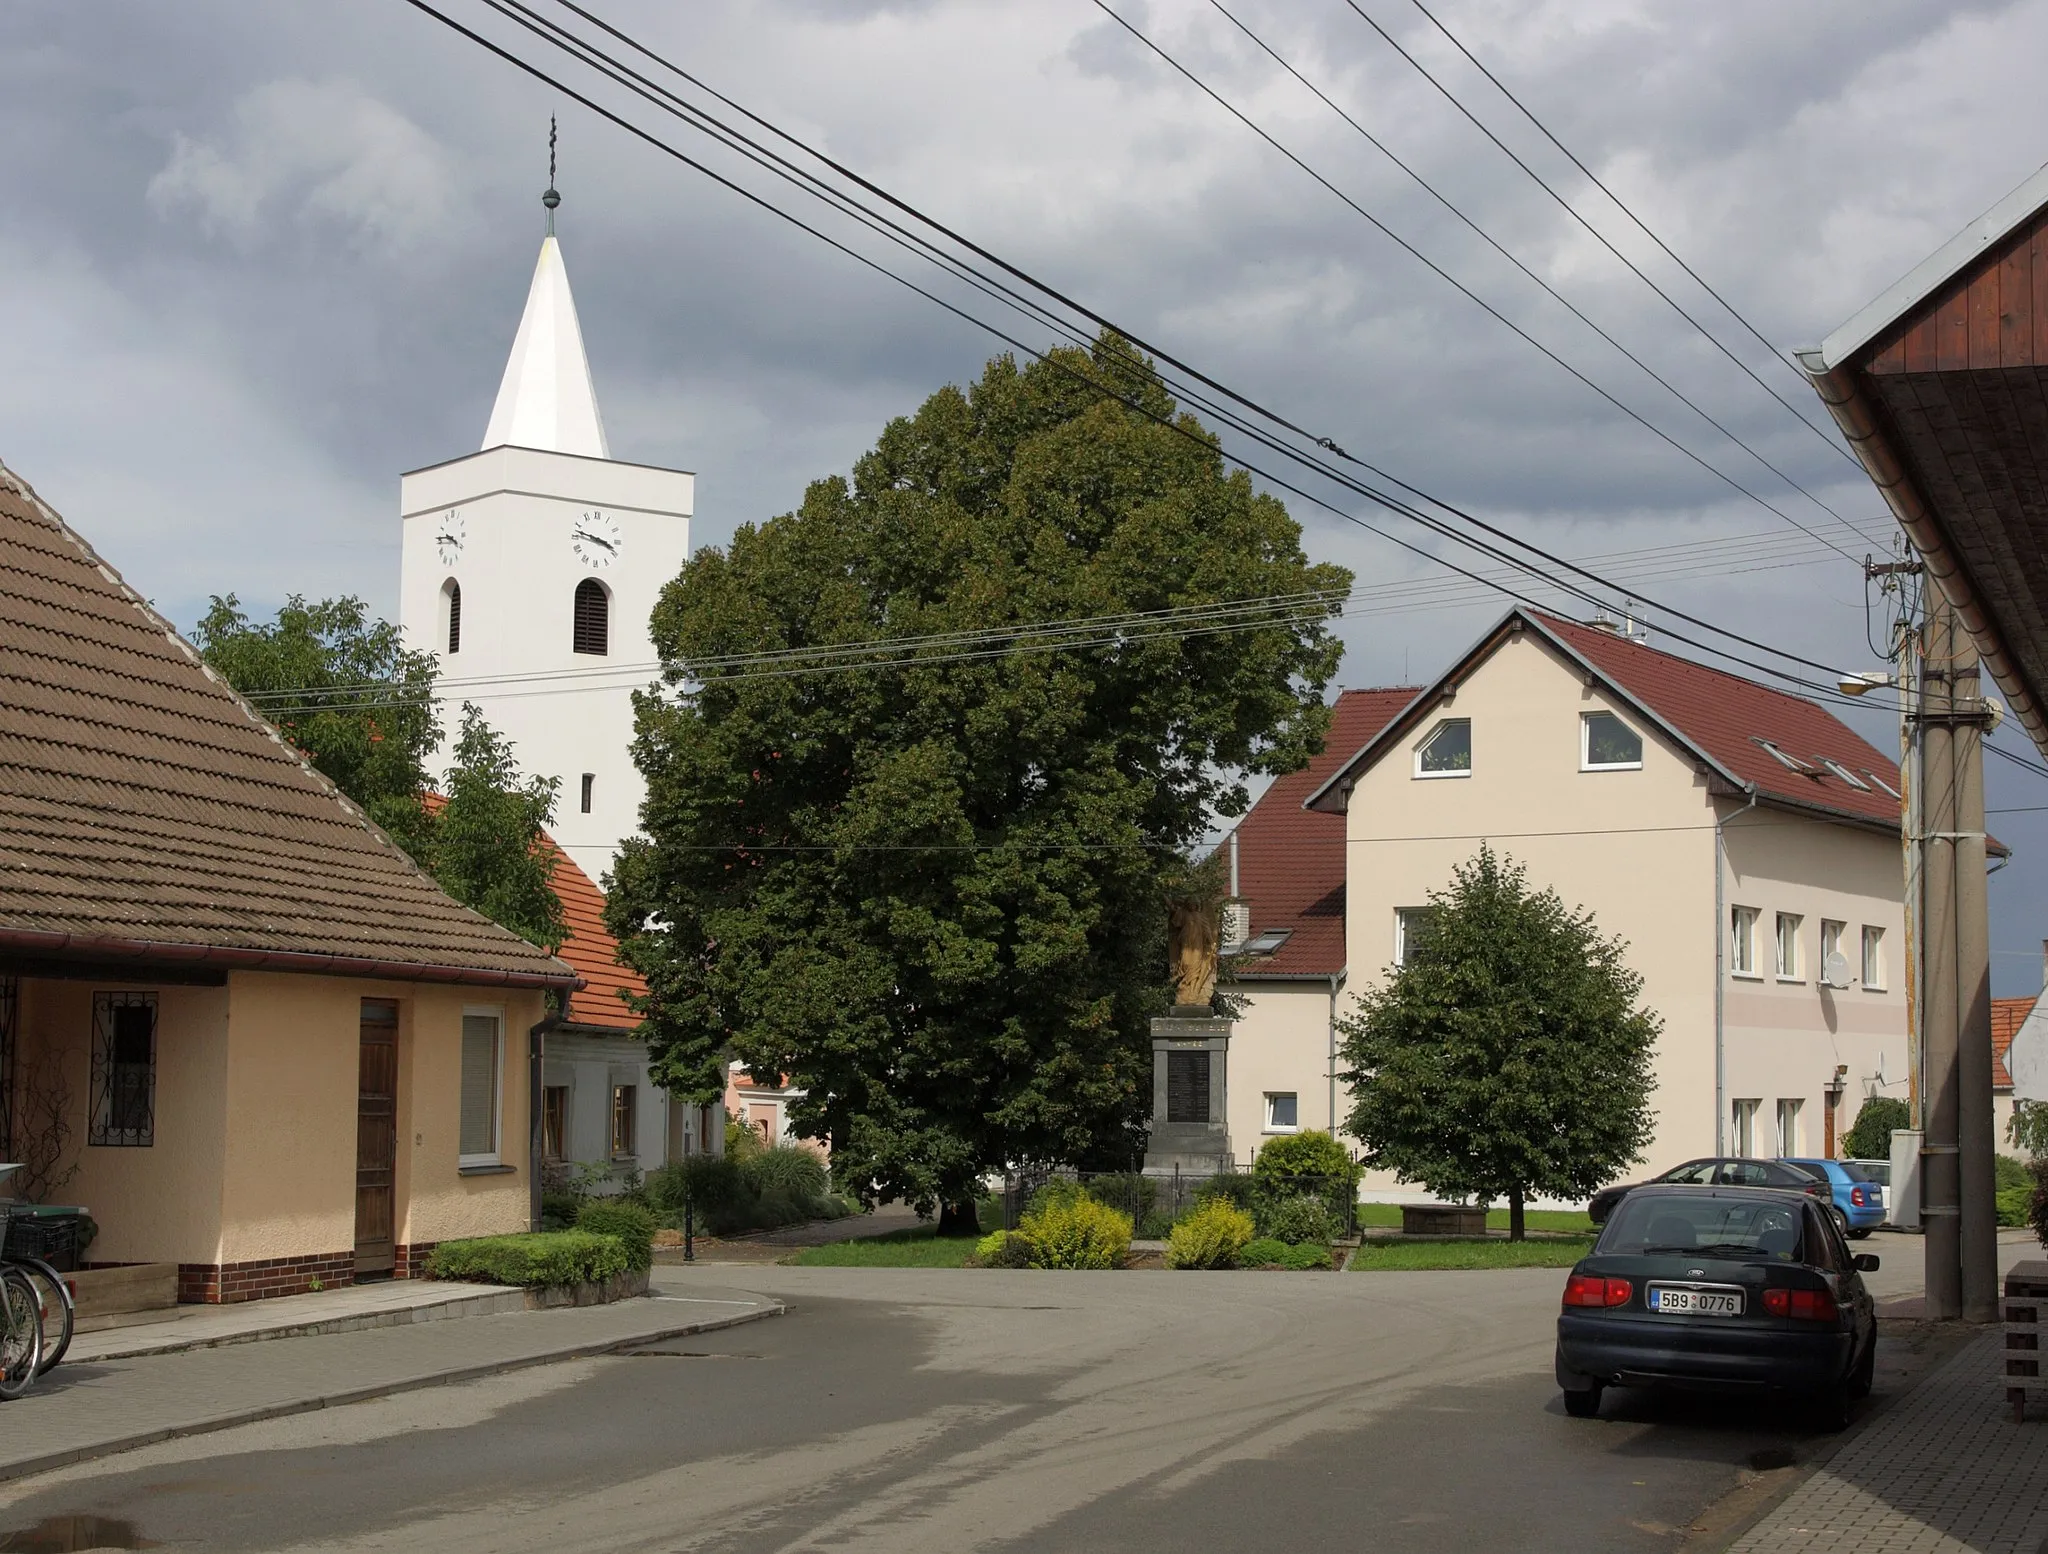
x,y
255,260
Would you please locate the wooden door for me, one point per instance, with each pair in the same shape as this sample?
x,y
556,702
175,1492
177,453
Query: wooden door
x,y
377,1140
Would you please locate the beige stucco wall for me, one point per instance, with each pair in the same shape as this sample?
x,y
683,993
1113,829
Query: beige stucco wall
x,y
254,1150
1280,1043
155,1204
1786,1037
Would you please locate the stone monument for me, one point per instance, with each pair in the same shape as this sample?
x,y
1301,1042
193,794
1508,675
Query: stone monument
x,y
1191,1054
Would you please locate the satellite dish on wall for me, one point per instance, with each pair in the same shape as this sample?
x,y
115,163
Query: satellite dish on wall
x,y
1835,970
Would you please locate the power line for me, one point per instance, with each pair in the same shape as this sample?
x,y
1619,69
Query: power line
x,y
1503,251
1670,253
1598,236
1310,461
1451,280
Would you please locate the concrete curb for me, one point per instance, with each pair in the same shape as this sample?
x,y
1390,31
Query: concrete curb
x,y
25,1467
480,1305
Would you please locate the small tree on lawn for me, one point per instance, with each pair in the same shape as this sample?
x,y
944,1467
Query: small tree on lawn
x,y
1507,1056
1871,1137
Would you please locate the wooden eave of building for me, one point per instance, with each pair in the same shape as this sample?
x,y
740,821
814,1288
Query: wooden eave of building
x,y
1941,388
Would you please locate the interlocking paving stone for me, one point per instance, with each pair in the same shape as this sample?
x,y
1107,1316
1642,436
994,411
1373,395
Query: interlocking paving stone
x,y
1943,1471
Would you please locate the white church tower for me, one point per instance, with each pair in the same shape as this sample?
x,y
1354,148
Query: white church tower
x,y
531,567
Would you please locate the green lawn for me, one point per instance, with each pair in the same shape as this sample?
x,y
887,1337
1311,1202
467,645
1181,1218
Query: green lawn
x,y
1573,1220
914,1248
1414,1256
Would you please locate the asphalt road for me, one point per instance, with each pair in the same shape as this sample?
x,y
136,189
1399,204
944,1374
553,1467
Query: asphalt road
x,y
909,1411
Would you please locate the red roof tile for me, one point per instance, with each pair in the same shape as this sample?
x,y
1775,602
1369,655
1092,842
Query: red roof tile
x,y
2007,1015
1726,717
1290,860
592,951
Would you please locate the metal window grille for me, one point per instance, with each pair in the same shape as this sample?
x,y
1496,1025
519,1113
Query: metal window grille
x,y
123,1069
593,618
10,1004
454,616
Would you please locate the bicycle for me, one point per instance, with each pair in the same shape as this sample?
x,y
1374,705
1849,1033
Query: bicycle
x,y
21,1333
49,1288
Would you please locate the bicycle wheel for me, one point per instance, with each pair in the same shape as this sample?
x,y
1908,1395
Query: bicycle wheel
x,y
21,1333
53,1297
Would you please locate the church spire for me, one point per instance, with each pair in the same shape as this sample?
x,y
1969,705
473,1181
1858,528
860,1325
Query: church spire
x,y
546,399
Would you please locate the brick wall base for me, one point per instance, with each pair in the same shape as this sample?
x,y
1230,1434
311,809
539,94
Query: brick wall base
x,y
266,1277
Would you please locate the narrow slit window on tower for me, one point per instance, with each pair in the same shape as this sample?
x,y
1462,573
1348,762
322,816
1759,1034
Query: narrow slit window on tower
x,y
589,783
451,608
593,618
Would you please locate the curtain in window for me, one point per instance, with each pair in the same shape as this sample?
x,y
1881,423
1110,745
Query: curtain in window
x,y
479,1084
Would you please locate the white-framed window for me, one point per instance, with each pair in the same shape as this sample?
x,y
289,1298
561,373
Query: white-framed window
x,y
1742,941
1788,946
1606,744
483,1085
1882,783
1742,1139
1283,1111
1408,922
1830,942
1873,958
1447,752
625,1111
1788,1128
1845,774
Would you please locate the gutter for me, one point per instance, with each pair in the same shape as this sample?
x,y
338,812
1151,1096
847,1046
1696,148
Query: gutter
x,y
108,947
1857,417
1721,975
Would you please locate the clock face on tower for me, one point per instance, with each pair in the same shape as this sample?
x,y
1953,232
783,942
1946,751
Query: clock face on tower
x,y
448,537
595,538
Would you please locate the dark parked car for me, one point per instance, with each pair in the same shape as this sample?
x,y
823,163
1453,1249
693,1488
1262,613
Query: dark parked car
x,y
1720,1171
1719,1288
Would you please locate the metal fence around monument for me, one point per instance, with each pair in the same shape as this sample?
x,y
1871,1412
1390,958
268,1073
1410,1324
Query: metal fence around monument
x,y
1155,1200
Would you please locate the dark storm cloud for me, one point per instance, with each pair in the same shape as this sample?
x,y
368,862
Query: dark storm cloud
x,y
255,260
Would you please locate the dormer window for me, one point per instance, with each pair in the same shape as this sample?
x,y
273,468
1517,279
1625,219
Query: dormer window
x,y
1447,752
1606,744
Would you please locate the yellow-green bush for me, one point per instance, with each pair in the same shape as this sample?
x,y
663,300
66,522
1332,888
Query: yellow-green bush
x,y
1210,1237
1076,1232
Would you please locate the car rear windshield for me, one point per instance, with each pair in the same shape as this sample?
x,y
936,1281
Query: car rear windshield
x,y
1854,1172
1669,1223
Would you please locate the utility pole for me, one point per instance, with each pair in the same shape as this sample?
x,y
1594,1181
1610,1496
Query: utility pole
x,y
1954,1002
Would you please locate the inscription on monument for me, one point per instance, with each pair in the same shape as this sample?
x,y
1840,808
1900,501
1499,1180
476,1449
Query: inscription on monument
x,y
1187,1086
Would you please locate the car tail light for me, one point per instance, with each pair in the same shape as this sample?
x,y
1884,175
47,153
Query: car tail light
x,y
1805,1305
1819,1190
1589,1289
1856,1197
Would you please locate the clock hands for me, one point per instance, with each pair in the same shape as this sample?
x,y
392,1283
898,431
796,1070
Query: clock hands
x,y
597,539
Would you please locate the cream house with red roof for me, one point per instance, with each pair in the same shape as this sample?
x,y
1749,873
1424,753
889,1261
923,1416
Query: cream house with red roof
x,y
1739,838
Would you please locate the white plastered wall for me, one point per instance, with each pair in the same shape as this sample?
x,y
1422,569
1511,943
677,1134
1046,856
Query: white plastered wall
x,y
1280,1044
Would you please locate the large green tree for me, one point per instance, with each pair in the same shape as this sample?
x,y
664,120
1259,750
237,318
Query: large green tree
x,y
342,686
931,888
1506,1056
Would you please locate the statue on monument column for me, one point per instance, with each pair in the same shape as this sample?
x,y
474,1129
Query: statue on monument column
x,y
1194,932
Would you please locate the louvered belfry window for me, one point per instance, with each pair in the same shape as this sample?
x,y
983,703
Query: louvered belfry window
x,y
593,618
454,593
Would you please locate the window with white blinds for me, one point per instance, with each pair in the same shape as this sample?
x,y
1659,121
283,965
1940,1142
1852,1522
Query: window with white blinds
x,y
482,1052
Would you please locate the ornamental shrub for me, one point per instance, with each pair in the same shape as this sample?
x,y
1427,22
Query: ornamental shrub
x,y
1057,1193
1265,1252
1128,1192
1003,1249
2037,1209
1242,1191
708,1183
787,1168
1297,1219
2008,1172
1210,1237
1305,1258
534,1260
2014,1204
1077,1232
1296,1162
629,1224
1871,1138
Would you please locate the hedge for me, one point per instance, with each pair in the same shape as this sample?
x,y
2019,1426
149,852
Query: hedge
x,y
531,1260
627,1223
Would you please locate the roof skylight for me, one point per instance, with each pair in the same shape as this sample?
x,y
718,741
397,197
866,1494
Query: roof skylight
x,y
1845,774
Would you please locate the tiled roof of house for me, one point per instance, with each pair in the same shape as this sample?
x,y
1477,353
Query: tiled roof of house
x,y
146,812
1729,718
1730,724
1290,860
2007,1016
592,951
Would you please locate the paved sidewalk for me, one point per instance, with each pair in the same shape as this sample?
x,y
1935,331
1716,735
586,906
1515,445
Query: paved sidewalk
x,y
83,1409
392,1303
1944,1470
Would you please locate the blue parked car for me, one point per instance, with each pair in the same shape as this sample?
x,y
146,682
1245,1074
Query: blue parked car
x,y
1858,1204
